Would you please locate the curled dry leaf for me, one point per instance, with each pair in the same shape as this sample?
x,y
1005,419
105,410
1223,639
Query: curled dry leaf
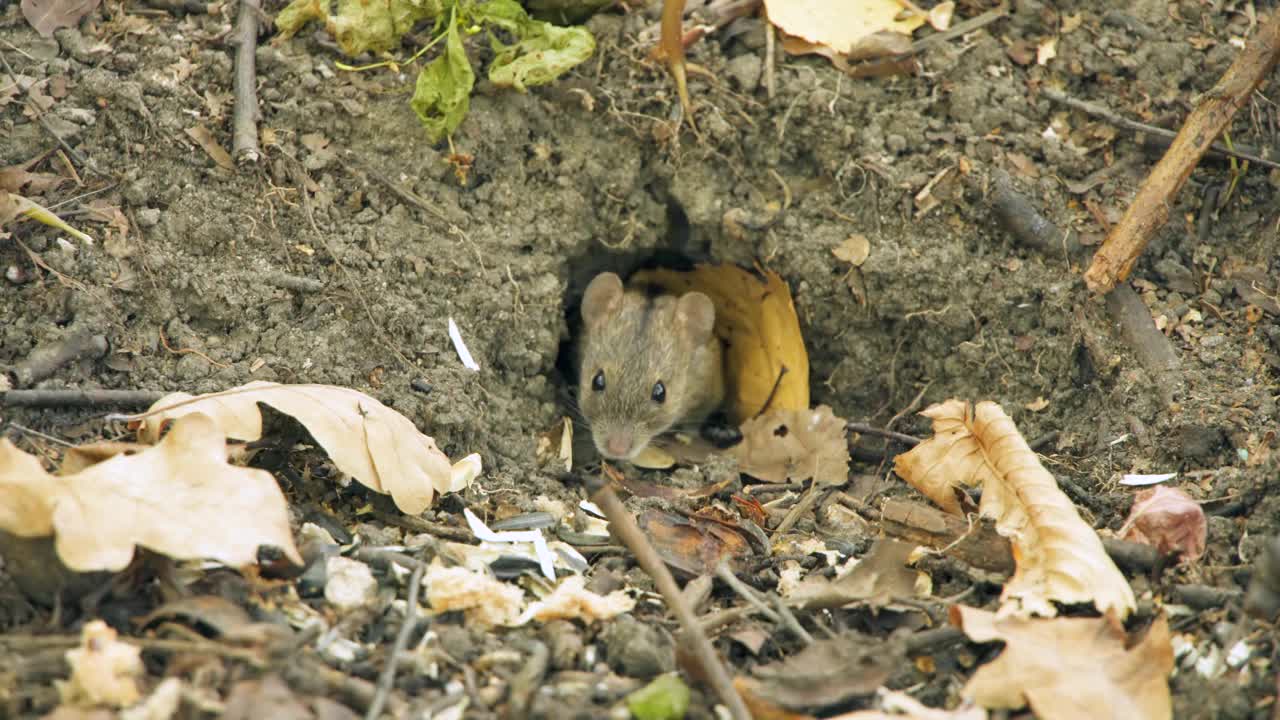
x,y
841,26
571,600
484,600
693,545
367,440
1169,519
1059,557
766,365
179,498
1048,664
104,670
795,445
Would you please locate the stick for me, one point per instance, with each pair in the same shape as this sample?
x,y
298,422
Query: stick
x,y
80,398
1150,208
1119,121
624,526
244,142
47,359
388,677
864,429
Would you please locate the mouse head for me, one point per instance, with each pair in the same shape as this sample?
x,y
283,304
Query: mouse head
x,y
636,372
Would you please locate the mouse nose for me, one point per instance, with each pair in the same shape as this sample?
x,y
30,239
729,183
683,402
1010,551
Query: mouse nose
x,y
618,444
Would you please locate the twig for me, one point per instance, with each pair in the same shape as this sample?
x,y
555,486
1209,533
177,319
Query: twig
x,y
244,141
1150,208
865,429
807,501
624,526
1026,224
388,676
962,28
780,613
417,524
1099,111
80,398
770,61
47,359
525,682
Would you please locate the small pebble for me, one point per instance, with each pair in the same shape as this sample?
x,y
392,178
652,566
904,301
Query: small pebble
x,y
148,217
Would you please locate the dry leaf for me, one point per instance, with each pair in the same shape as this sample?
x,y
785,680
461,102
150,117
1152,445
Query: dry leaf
x,y
795,445
896,705
828,672
766,365
1169,519
206,141
854,250
572,601
877,578
1037,405
1059,557
840,25
484,600
179,498
1070,668
367,440
104,670
1047,50
693,545
266,697
49,15
940,15
16,178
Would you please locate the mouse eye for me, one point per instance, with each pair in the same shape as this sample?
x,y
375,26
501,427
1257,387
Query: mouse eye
x,y
597,382
659,394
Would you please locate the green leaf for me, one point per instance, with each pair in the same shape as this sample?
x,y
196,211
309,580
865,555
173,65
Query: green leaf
x,y
666,698
542,51
443,93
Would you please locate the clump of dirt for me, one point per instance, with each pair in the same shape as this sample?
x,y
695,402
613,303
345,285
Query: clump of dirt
x,y
340,258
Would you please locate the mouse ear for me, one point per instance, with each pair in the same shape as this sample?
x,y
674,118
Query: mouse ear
x,y
602,298
697,314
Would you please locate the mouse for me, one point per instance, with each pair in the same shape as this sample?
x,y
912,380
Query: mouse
x,y
648,362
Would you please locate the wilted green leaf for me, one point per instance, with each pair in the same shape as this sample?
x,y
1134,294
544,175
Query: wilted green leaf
x,y
666,698
443,93
543,51
360,25
377,25
299,13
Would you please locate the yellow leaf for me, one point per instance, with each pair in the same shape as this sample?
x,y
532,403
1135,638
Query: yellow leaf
x,y
841,24
1059,556
766,365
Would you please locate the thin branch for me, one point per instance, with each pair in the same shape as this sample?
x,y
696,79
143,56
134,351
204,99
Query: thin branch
x,y
244,142
624,526
388,677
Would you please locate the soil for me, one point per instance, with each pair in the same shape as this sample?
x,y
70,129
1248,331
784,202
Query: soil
x,y
589,174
